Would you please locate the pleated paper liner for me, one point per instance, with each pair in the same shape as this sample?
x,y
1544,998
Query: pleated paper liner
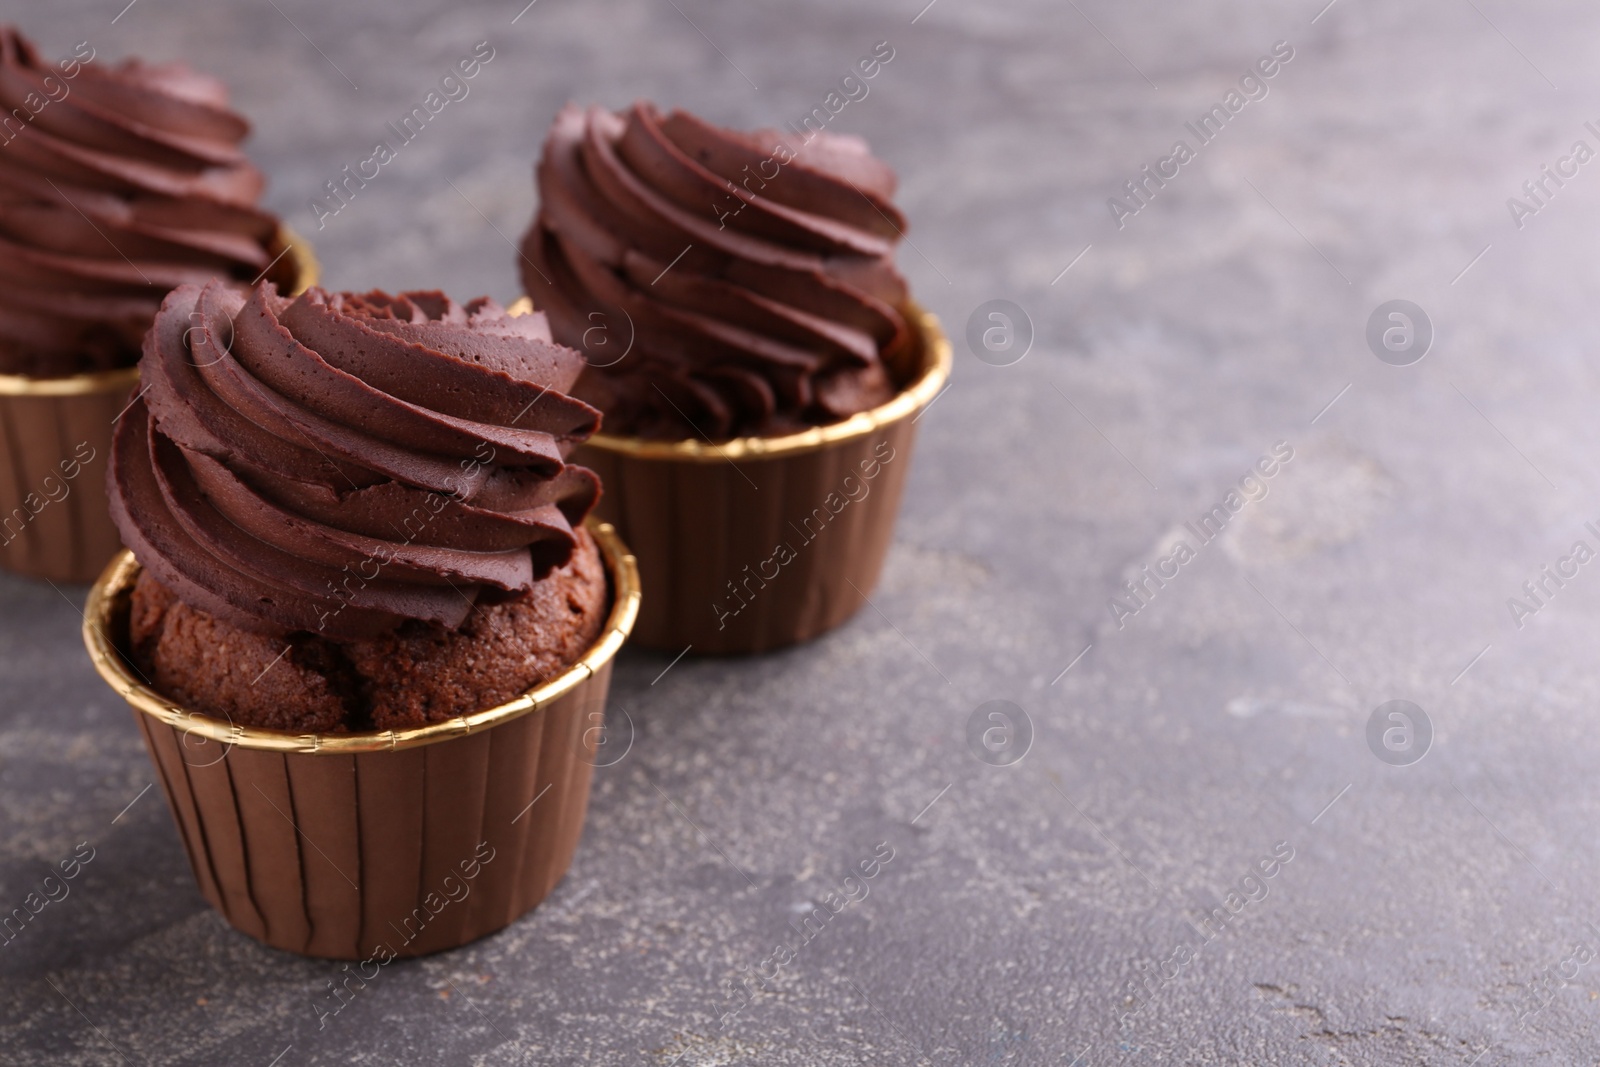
x,y
385,844
55,437
761,542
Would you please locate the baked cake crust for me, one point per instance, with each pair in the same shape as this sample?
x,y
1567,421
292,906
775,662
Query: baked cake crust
x,y
419,674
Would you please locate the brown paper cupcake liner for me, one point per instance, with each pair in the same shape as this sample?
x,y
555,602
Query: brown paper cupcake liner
x,y
55,442
761,542
385,844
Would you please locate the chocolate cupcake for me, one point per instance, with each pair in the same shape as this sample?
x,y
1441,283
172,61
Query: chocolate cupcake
x,y
117,183
755,352
355,534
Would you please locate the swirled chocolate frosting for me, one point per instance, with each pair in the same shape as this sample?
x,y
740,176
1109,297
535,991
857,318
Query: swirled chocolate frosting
x,y
748,277
117,183
339,463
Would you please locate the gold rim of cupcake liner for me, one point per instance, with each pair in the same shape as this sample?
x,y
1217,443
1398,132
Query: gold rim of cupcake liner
x,y
919,394
117,582
286,242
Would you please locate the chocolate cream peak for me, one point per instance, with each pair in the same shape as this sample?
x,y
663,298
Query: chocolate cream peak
x,y
117,183
339,464
749,277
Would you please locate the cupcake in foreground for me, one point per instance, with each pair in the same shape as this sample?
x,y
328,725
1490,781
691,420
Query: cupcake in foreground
x,y
376,484
755,352
117,184
354,521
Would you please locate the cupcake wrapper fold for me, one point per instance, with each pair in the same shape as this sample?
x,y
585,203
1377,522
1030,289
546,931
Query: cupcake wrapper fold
x,y
759,543
55,442
403,853
385,845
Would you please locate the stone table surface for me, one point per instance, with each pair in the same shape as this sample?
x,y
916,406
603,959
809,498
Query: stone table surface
x,y
1426,911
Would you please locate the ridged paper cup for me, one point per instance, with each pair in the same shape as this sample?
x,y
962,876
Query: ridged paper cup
x,y
55,437
760,542
394,843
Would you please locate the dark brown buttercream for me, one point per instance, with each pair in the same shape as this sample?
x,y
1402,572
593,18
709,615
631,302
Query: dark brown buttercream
x,y
339,463
748,276
117,183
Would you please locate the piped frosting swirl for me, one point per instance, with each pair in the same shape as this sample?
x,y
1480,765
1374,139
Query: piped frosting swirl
x,y
339,463
749,277
117,183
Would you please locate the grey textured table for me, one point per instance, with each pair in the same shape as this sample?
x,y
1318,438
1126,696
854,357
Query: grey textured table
x,y
1431,913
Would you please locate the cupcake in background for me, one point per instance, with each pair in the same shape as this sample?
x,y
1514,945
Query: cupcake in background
x,y
358,544
755,352
117,184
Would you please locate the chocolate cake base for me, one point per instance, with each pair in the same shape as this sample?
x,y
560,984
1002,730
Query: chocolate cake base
x,y
422,673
